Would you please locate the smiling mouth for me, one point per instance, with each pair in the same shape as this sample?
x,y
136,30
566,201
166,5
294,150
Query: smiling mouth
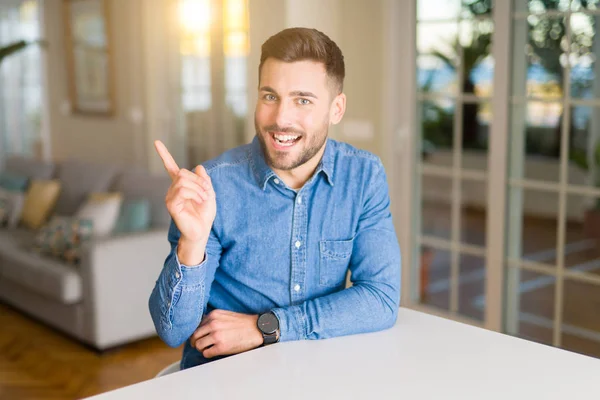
x,y
285,139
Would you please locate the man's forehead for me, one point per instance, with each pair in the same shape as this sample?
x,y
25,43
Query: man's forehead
x,y
296,75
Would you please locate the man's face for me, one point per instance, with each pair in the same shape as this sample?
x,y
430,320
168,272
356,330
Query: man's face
x,y
293,112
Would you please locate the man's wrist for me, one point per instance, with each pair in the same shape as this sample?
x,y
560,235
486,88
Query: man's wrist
x,y
190,253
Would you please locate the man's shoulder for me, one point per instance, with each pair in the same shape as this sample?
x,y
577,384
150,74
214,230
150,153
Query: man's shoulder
x,y
347,153
238,157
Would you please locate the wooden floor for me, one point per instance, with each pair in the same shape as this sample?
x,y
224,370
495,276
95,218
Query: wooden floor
x,y
37,362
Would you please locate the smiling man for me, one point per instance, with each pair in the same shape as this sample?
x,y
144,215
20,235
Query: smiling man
x,y
263,236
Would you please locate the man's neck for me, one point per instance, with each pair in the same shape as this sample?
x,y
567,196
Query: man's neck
x,y
297,177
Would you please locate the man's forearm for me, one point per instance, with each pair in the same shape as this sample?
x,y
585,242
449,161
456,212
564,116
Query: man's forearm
x,y
185,287
358,309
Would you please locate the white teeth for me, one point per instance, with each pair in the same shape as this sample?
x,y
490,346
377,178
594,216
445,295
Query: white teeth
x,y
285,138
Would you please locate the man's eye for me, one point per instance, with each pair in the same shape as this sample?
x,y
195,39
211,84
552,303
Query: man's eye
x,y
303,102
269,97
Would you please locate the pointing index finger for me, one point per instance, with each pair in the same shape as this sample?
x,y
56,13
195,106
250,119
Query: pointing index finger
x,y
167,159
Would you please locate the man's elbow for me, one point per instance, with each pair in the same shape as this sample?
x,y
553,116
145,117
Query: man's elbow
x,y
164,329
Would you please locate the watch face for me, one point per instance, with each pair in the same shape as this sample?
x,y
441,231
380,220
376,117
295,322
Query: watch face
x,y
268,323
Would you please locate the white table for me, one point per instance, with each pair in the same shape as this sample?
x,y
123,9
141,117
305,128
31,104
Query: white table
x,y
421,357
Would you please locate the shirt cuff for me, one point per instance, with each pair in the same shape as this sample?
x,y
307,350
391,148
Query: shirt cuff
x,y
188,274
291,323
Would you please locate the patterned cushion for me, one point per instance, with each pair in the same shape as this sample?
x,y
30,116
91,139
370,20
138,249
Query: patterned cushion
x,y
64,238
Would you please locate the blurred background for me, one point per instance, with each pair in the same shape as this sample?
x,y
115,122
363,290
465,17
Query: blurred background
x,y
486,114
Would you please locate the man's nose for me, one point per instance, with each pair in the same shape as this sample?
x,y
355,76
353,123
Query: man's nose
x,y
284,115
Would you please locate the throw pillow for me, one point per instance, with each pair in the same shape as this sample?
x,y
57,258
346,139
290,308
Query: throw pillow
x,y
134,217
13,182
64,238
39,202
102,209
11,206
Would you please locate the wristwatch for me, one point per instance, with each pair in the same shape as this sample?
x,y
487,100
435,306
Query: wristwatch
x,y
268,325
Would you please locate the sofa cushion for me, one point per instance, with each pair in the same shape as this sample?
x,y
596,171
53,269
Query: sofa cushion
x,y
64,238
102,209
39,202
79,179
134,217
41,274
135,184
29,167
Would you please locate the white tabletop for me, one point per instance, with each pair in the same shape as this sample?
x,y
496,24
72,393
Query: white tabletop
x,y
421,357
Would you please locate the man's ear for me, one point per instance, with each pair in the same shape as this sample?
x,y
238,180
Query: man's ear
x,y
338,108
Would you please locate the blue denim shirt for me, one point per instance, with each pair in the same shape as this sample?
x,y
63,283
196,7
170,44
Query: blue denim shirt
x,y
288,251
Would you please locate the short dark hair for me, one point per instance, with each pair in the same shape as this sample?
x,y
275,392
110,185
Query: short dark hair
x,y
298,44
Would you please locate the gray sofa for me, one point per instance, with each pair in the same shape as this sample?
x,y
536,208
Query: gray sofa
x,y
103,301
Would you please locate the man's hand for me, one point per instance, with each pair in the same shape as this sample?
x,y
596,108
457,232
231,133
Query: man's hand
x,y
224,332
191,202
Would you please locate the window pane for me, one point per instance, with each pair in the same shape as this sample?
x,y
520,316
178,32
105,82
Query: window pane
x,y
435,277
540,6
436,119
430,10
582,236
437,58
585,48
436,203
471,286
581,318
475,40
592,5
532,225
535,141
477,118
473,213
584,146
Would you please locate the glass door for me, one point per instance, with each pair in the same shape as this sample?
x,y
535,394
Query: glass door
x,y
454,74
553,250
503,192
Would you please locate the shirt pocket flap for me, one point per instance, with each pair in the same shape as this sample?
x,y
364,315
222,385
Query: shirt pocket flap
x,y
334,261
338,249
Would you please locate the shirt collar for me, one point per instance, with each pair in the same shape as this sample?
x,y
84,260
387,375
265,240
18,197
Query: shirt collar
x,y
262,172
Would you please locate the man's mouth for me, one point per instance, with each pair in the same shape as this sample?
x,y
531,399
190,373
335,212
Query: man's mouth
x,y
284,139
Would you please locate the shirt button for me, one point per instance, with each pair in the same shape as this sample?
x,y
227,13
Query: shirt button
x,y
297,288
177,274
276,181
298,244
299,200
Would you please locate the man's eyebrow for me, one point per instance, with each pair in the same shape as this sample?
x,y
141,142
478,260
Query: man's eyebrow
x,y
303,94
268,89
299,93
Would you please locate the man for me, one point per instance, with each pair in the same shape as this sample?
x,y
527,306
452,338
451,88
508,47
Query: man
x,y
263,236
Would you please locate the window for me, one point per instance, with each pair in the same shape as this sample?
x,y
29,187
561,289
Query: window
x,y
20,80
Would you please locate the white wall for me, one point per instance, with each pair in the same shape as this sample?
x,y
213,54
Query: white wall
x,y
97,139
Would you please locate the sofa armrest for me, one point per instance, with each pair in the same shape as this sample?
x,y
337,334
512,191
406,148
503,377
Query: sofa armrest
x,y
118,275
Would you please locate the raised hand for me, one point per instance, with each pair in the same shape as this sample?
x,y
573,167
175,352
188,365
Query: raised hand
x,y
191,203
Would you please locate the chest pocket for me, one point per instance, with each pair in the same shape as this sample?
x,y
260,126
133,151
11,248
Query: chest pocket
x,y
334,261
